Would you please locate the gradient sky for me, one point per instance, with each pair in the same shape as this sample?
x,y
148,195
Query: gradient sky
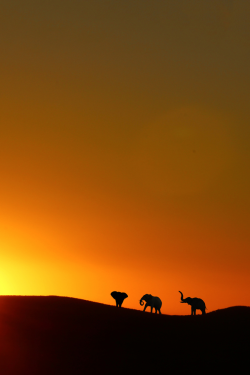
x,y
124,150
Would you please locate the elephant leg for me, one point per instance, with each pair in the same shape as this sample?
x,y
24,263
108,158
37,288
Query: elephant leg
x,y
194,311
159,311
151,309
145,307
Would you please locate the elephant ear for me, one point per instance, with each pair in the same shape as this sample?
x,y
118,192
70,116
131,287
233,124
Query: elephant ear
x,y
114,294
124,295
150,296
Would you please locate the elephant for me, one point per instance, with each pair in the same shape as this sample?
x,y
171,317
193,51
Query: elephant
x,y
195,303
119,298
152,301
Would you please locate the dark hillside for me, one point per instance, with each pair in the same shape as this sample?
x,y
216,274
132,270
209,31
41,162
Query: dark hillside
x,y
56,335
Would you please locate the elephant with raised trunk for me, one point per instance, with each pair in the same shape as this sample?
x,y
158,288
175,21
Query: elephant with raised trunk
x,y
153,302
119,298
195,303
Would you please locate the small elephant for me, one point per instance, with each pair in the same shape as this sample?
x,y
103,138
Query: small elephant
x,y
119,298
152,301
195,303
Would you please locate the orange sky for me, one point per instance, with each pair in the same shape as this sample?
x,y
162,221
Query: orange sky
x,y
124,150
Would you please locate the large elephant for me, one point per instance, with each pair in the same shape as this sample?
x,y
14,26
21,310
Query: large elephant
x,y
195,303
152,301
119,298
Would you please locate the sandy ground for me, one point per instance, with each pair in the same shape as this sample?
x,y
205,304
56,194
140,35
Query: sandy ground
x,y
59,335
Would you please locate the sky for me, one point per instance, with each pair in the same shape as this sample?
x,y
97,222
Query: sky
x,y
124,150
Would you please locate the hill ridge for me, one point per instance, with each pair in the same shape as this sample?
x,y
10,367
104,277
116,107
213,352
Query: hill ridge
x,y
64,335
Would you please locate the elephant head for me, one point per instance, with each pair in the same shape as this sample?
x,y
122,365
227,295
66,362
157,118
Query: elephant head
x,y
147,298
119,298
187,300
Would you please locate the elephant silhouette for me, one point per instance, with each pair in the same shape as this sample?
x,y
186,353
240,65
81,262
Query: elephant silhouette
x,y
152,301
119,298
195,303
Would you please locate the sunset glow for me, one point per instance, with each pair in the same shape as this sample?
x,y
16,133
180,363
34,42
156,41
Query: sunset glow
x,y
124,150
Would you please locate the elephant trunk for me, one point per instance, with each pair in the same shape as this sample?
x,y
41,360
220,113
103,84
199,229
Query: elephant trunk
x,y
141,302
182,300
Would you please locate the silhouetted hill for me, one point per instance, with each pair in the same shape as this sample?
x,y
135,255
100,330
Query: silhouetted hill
x,y
57,335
